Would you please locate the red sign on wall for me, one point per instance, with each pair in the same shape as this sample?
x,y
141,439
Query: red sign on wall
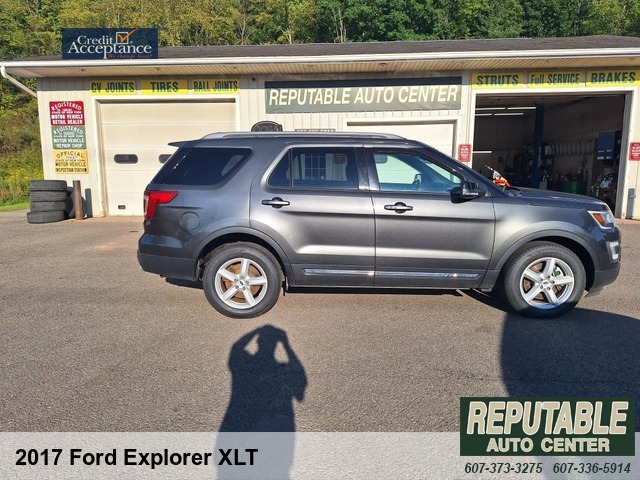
x,y
66,113
464,152
634,151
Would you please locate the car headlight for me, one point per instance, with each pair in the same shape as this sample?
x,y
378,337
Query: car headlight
x,y
604,219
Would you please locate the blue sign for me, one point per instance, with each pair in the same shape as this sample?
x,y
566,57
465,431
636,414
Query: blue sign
x,y
109,43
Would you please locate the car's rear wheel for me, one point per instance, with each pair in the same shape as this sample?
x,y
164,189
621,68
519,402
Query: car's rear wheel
x,y
242,280
543,280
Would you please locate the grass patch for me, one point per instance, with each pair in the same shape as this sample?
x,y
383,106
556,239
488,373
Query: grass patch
x,y
14,204
16,170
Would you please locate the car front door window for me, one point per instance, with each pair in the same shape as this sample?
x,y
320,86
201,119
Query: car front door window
x,y
406,171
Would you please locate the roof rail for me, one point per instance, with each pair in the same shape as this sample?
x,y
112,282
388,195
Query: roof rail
x,y
217,135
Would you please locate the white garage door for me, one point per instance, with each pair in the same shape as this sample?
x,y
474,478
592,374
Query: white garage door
x,y
135,137
437,135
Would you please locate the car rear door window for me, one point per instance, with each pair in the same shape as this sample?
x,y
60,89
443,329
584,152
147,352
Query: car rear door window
x,y
317,168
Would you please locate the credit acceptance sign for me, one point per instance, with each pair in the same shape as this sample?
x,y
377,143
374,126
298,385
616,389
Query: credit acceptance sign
x,y
109,43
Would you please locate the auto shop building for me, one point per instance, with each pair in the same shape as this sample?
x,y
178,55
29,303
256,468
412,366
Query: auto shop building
x,y
555,113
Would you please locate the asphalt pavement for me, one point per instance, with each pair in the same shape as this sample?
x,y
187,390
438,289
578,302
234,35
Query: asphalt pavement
x,y
90,342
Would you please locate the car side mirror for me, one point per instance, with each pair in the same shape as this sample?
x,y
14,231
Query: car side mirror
x,y
467,191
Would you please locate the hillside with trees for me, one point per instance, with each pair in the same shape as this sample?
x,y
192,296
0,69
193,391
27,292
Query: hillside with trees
x,y
33,28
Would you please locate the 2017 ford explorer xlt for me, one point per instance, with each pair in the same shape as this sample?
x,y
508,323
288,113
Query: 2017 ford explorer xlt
x,y
249,214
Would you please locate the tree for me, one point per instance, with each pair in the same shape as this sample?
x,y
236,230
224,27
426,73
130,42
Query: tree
x,y
502,20
331,16
549,18
613,17
457,19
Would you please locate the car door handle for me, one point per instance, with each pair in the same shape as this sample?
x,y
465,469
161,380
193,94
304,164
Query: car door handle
x,y
399,207
276,202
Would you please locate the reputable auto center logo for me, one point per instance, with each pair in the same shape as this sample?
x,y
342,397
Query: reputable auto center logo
x,y
109,43
547,426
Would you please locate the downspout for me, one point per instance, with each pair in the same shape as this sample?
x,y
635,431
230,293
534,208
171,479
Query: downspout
x,y
3,72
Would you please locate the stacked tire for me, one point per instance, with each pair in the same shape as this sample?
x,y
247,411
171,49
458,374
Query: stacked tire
x,y
48,201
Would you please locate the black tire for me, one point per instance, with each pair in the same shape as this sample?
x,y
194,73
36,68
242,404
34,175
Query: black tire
x,y
45,217
261,267
48,206
48,196
48,185
552,271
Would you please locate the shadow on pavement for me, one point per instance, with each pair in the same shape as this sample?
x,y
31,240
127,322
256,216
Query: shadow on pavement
x,y
266,378
584,353
264,383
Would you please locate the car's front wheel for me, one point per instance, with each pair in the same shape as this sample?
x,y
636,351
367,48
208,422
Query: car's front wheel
x,y
242,280
543,280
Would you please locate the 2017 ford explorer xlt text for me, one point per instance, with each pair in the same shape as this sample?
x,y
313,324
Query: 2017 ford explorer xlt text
x,y
252,213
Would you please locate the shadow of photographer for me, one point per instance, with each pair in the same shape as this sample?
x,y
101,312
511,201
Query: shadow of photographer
x,y
263,386
266,377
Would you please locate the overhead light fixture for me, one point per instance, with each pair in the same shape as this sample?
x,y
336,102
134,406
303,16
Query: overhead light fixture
x,y
509,114
528,107
491,108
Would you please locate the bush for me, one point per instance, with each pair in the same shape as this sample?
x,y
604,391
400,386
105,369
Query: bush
x,y
20,154
16,170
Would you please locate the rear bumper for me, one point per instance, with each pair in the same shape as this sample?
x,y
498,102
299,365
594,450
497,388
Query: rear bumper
x,y
172,267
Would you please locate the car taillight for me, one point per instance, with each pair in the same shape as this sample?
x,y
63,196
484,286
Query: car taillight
x,y
154,198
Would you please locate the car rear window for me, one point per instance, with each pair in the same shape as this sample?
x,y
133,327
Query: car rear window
x,y
201,166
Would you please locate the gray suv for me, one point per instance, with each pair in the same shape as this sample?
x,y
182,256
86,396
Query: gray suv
x,y
249,214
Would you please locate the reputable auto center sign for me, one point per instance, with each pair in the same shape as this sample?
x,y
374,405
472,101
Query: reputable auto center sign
x,y
109,43
433,93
